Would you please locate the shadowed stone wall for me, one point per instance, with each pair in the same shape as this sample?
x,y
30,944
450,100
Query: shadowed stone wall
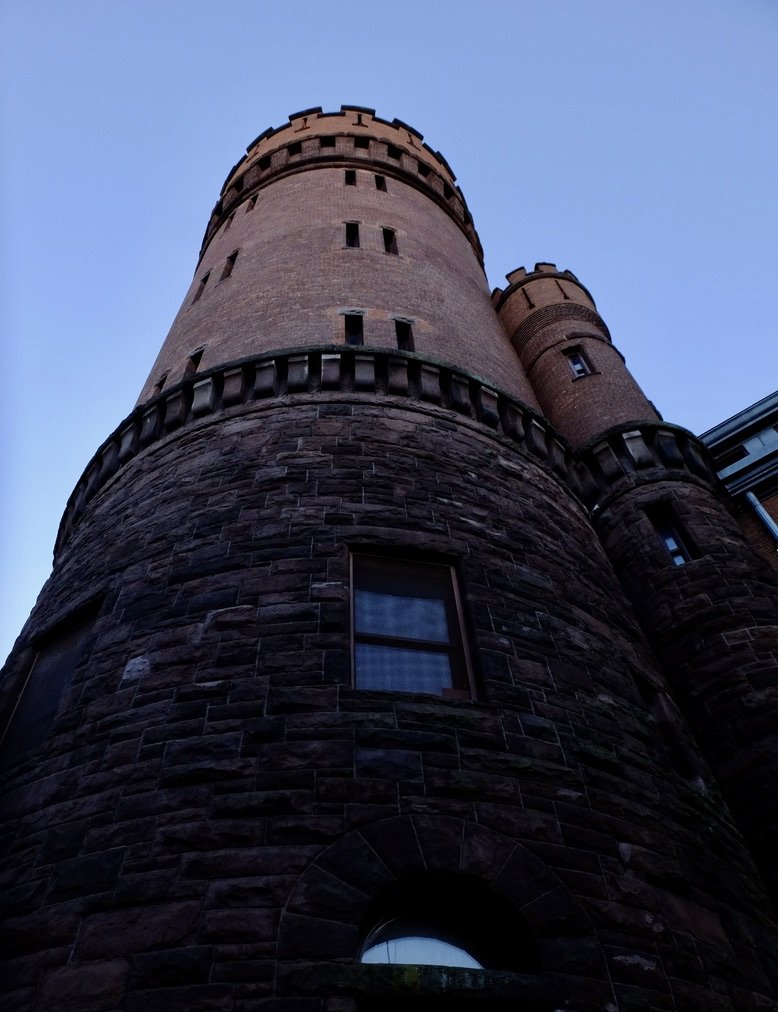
x,y
192,832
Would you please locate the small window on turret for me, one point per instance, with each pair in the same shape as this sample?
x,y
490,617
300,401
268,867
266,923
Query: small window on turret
x,y
159,385
229,221
201,287
393,152
404,334
380,183
668,529
294,149
361,142
251,204
352,234
350,177
193,362
423,169
229,264
408,629
390,240
46,682
327,142
580,365
353,328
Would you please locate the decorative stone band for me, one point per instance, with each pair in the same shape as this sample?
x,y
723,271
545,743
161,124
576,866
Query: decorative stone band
x,y
542,318
375,158
637,454
333,371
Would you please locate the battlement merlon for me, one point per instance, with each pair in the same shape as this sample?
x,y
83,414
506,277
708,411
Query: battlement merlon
x,y
351,119
355,138
542,272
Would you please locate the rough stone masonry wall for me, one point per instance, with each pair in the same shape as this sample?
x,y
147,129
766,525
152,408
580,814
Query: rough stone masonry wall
x,y
210,818
714,626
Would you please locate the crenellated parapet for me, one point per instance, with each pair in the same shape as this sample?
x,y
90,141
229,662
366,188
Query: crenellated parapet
x,y
353,136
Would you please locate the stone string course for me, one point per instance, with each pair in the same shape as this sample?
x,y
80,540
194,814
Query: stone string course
x,y
621,458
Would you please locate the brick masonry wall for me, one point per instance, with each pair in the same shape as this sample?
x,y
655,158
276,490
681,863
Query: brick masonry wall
x,y
216,805
757,533
544,316
293,257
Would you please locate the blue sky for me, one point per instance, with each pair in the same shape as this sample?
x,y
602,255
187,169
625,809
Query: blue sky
x,y
632,143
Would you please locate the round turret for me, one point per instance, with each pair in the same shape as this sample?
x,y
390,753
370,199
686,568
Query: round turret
x,y
578,376
339,228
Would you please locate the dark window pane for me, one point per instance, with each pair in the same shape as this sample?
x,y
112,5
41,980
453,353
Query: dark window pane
x,y
398,669
404,335
353,328
352,234
406,616
50,676
407,635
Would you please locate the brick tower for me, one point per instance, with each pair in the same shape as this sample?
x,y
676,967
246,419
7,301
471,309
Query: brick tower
x,y
395,651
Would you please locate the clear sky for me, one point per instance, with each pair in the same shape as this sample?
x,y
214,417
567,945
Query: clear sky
x,y
633,143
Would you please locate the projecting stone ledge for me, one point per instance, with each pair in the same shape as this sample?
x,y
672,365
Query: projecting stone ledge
x,y
633,453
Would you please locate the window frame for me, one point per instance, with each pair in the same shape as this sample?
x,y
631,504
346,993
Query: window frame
x,y
456,648
577,356
354,337
60,651
670,534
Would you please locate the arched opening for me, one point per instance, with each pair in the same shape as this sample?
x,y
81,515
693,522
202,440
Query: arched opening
x,y
399,941
445,919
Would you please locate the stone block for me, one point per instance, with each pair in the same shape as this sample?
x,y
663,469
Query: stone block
x,y
88,987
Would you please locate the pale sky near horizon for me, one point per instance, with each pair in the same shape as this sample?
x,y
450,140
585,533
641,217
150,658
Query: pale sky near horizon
x,y
632,143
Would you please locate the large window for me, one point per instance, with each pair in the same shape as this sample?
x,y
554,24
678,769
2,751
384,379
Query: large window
x,y
49,677
407,626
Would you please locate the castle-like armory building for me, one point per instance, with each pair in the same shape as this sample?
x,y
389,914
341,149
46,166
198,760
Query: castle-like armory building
x,y
396,653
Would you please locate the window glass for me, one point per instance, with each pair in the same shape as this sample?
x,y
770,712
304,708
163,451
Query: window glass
x,y
407,627
442,918
397,669
668,530
420,951
578,362
405,614
50,675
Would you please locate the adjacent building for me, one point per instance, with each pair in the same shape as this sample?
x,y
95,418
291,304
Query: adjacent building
x,y
745,455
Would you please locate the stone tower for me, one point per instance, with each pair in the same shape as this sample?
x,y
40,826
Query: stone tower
x,y
395,649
